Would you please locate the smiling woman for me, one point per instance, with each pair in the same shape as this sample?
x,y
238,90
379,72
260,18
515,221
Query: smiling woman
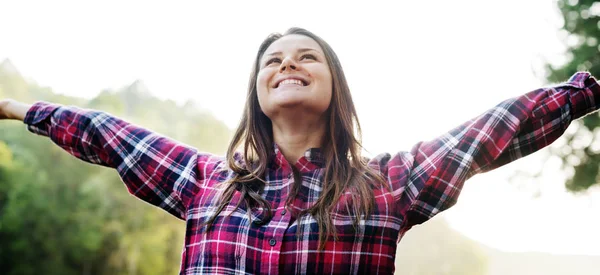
x,y
293,195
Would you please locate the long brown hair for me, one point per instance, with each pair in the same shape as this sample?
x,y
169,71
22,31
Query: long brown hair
x,y
346,172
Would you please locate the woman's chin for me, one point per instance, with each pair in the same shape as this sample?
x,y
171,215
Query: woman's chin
x,y
290,101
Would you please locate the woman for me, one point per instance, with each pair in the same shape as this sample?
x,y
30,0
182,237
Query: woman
x,y
299,198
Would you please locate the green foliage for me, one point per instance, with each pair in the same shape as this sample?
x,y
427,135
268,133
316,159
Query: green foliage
x,y
59,215
582,28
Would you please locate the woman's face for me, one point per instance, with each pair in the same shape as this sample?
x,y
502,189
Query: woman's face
x,y
294,76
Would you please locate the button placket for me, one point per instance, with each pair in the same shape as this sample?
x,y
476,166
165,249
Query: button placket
x,y
274,232
272,247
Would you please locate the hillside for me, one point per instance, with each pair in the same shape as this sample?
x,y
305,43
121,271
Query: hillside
x,y
435,248
536,263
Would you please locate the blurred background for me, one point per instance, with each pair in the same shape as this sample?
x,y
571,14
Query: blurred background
x,y
415,68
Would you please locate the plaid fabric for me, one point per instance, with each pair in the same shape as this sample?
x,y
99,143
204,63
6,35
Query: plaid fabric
x,y
424,182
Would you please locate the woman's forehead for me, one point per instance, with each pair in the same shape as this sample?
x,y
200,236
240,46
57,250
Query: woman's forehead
x,y
293,43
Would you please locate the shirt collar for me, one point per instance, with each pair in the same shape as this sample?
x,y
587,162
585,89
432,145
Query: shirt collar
x,y
311,160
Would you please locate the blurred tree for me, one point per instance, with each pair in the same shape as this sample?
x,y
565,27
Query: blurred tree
x,y
59,215
581,154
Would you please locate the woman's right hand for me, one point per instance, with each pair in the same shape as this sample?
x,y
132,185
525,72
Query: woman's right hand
x,y
12,109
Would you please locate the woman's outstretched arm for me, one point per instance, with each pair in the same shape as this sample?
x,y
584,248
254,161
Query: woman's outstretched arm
x,y
429,179
154,168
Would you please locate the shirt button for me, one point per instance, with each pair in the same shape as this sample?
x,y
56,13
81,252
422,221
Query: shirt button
x,y
272,242
283,212
257,222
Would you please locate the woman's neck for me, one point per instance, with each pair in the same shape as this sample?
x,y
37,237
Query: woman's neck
x,y
296,136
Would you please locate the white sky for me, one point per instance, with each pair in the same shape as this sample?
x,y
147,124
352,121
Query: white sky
x,y
416,69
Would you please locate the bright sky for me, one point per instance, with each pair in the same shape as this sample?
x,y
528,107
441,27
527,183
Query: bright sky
x,y
415,68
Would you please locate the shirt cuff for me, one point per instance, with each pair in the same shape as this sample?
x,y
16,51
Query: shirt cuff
x,y
38,113
586,98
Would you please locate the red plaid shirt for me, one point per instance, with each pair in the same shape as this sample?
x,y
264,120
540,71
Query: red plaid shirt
x,y
424,182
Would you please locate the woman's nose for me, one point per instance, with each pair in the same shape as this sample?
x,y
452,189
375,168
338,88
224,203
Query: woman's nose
x,y
288,64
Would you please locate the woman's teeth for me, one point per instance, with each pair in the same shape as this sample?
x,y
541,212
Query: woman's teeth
x,y
291,81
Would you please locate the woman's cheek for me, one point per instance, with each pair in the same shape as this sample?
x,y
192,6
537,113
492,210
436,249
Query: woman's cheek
x,y
262,79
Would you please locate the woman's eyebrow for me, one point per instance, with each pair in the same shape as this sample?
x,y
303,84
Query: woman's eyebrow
x,y
299,50
306,50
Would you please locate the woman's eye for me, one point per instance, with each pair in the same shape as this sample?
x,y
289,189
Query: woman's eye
x,y
273,60
308,56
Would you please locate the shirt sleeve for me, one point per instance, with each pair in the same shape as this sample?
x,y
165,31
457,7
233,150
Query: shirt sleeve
x,y
429,178
154,168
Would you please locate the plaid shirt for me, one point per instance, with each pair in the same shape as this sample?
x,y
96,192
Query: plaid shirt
x,y
424,182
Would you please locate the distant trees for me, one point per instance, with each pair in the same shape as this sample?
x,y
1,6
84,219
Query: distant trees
x,y
59,215
581,29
